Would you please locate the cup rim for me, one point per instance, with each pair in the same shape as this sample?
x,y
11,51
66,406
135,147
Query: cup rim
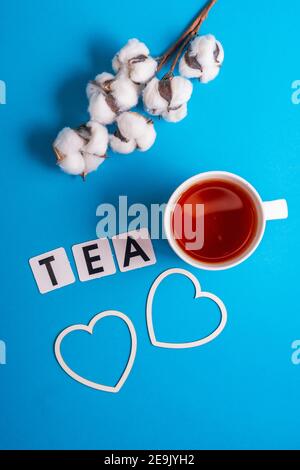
x,y
174,198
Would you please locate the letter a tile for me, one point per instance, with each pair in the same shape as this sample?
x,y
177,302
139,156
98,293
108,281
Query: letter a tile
x,y
134,250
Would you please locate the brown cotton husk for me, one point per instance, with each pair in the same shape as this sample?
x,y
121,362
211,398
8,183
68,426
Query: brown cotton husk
x,y
84,132
59,156
217,53
110,100
139,58
192,62
106,86
120,136
165,89
106,89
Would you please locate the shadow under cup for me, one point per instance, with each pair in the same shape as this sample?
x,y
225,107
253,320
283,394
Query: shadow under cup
x,y
215,220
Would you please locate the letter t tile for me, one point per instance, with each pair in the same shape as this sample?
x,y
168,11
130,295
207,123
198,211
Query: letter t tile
x,y
52,270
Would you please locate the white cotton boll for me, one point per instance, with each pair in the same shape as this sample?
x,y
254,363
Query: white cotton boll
x,y
182,90
104,77
166,96
145,141
132,125
133,48
100,110
116,64
203,59
207,50
109,95
68,146
134,60
176,115
91,163
203,47
125,92
68,141
98,141
154,103
96,85
73,164
134,131
143,70
188,72
121,146
209,73
91,90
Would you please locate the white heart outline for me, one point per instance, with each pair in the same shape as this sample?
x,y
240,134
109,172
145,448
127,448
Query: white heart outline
x,y
198,294
89,328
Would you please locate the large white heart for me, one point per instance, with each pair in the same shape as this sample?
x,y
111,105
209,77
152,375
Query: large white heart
x,y
198,294
89,328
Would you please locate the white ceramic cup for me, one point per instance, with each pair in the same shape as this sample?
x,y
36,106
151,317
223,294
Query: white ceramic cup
x,y
269,210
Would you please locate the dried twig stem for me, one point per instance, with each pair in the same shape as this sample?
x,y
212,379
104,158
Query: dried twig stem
x,y
180,51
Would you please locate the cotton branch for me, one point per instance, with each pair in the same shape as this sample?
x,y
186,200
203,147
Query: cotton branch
x,y
186,37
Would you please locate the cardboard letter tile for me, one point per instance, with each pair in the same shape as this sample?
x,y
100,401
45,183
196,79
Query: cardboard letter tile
x,y
52,270
94,259
134,250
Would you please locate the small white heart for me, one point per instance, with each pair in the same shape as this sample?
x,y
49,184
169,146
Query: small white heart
x,y
198,294
89,328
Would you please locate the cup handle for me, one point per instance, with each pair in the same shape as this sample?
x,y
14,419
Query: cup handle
x,y
275,209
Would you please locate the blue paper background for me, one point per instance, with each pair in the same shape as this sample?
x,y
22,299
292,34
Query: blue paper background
x,y
240,391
